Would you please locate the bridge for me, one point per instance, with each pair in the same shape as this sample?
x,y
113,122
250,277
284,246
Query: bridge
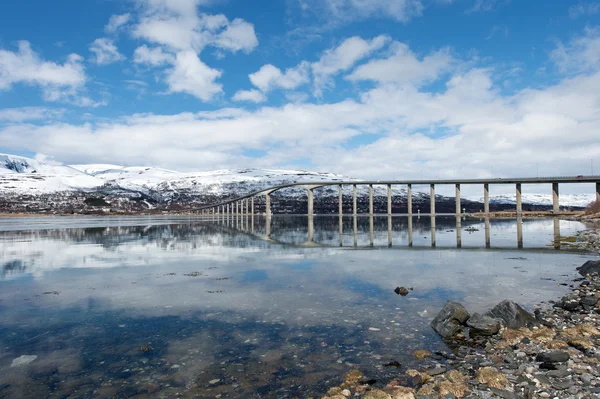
x,y
244,205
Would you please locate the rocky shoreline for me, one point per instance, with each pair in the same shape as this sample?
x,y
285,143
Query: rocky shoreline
x,y
507,352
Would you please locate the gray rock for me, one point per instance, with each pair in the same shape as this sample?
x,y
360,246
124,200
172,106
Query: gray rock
x,y
436,371
450,319
483,325
589,300
561,384
512,315
504,394
553,357
591,266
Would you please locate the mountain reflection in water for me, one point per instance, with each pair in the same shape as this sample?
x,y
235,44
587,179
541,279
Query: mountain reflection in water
x,y
155,307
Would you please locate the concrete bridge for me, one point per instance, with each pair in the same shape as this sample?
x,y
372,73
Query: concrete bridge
x,y
244,205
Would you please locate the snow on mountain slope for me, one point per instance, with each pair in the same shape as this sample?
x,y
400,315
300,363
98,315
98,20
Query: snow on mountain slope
x,y
578,200
23,175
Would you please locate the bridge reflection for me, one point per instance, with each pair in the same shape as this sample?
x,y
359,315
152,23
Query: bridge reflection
x,y
402,231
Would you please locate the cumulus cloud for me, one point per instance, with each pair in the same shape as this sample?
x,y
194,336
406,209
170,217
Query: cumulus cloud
x,y
254,96
58,82
403,66
270,77
26,66
116,22
105,51
582,54
342,58
179,33
154,56
192,76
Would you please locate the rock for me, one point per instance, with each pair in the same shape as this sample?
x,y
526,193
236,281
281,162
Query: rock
x,y
553,357
589,300
450,319
23,360
483,325
401,291
491,377
512,315
213,382
421,354
376,394
589,267
436,371
504,394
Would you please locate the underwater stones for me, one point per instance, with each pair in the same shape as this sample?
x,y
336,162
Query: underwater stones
x,y
401,291
421,354
512,315
23,360
483,325
491,377
376,394
450,319
589,267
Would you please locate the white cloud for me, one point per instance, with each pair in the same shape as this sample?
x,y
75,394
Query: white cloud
x,y
580,9
486,5
152,56
192,76
116,22
580,54
342,58
347,10
30,114
59,82
238,36
177,25
255,96
403,66
269,77
105,51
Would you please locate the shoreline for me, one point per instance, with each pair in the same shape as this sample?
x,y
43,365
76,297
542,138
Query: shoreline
x,y
558,357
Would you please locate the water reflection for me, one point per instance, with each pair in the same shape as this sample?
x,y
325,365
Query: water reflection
x,y
468,232
159,309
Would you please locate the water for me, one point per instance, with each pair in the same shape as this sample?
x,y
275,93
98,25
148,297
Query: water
x,y
152,307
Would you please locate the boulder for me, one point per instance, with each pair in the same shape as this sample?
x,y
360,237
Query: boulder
x,y
450,319
483,325
512,315
589,267
401,291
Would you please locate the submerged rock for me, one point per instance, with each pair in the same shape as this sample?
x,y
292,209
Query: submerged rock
x,y
553,357
483,325
512,315
450,319
23,360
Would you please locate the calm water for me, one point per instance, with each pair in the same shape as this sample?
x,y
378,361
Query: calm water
x,y
152,307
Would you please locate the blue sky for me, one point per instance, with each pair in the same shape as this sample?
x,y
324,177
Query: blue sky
x,y
368,88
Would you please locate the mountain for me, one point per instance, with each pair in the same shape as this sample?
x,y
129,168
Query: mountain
x,y
36,186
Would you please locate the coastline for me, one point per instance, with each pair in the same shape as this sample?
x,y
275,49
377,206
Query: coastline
x,y
558,357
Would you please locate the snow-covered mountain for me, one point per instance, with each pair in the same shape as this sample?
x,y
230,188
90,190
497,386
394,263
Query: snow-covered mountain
x,y
26,175
27,183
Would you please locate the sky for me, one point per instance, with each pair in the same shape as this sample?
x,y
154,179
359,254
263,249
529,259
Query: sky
x,y
377,89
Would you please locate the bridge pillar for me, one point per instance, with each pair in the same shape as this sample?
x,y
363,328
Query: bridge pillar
x,y
311,210
409,198
486,198
519,232
598,191
519,202
458,210
433,241
371,199
487,232
354,199
389,187
432,199
555,203
268,204
247,206
340,210
410,231
252,206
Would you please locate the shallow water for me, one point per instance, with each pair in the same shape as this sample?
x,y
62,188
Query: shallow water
x,y
152,307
